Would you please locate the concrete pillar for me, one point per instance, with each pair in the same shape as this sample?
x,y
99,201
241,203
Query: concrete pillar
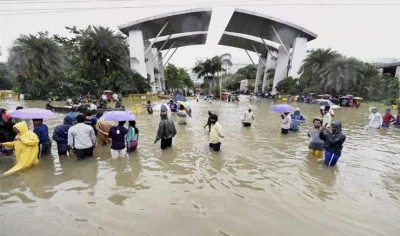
x,y
271,64
298,55
380,71
162,75
260,70
150,67
397,72
136,52
281,70
157,66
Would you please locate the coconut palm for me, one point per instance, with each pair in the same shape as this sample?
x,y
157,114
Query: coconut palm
x,y
342,74
102,47
36,56
38,61
314,62
208,67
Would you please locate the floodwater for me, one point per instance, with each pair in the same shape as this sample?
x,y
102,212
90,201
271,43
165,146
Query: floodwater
x,y
261,183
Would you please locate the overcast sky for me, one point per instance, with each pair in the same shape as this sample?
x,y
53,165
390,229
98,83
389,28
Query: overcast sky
x,y
362,31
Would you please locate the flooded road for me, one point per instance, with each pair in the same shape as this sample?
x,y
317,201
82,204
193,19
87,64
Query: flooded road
x,y
261,183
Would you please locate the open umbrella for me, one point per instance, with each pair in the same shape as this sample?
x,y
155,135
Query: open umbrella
x,y
178,98
160,107
118,116
187,107
282,108
33,113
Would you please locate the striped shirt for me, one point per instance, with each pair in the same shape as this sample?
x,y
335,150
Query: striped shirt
x,y
81,136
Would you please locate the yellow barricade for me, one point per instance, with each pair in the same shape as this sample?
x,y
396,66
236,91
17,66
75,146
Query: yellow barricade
x,y
143,97
8,95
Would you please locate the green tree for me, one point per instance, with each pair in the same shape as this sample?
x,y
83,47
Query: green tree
x,y
100,60
311,68
177,78
208,67
249,71
288,85
232,81
342,74
38,61
6,77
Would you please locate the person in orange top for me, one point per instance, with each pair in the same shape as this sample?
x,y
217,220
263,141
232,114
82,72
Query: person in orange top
x,y
26,145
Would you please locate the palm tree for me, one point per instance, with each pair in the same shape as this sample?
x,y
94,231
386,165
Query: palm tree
x,y
39,60
102,47
314,62
208,67
342,74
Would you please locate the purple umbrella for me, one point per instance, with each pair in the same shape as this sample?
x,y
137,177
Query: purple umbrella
x,y
118,116
33,113
282,108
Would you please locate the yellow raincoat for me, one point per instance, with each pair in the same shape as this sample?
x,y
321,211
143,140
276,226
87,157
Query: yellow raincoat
x,y
26,149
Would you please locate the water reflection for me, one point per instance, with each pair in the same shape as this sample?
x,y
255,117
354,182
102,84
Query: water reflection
x,y
260,178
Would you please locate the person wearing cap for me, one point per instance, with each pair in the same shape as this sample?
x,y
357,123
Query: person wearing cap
x,y
375,119
248,118
316,145
296,119
387,119
333,142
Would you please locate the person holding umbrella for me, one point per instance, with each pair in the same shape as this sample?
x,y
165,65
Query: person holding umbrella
x,y
286,119
42,131
166,131
81,138
117,135
182,115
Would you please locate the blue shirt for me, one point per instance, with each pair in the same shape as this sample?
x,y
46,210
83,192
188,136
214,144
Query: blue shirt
x,y
295,121
42,131
173,107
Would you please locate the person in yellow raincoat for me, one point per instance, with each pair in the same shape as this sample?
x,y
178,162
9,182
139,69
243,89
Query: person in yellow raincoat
x,y
26,146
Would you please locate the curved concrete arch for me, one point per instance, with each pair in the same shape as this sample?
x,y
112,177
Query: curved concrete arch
x,y
269,37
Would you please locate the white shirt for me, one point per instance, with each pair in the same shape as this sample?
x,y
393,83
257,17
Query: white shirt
x,y
104,97
81,136
327,120
92,107
375,120
286,122
198,96
115,96
248,117
216,133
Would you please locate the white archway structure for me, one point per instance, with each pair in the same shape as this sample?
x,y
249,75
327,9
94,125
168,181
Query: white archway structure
x,y
280,45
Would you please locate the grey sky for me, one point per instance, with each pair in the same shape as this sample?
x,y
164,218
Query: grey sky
x,y
364,31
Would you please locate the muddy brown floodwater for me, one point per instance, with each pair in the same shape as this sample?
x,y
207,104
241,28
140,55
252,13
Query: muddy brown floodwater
x,y
261,183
